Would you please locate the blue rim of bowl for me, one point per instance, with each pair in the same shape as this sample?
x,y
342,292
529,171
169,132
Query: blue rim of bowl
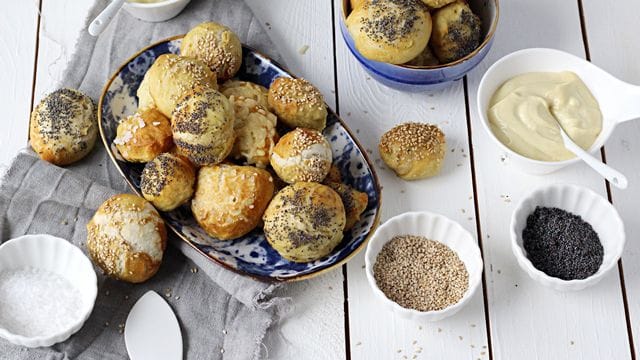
x,y
365,241
483,44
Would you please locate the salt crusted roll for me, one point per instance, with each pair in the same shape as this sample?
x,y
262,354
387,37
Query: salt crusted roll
x,y
170,78
230,199
126,238
143,136
302,155
217,46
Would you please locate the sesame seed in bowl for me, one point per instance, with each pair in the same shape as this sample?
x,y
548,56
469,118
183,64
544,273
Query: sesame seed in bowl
x,y
423,266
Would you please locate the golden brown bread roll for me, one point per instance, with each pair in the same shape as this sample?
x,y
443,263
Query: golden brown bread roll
x,y
413,150
456,31
217,46
302,155
304,221
143,136
435,4
334,175
354,201
202,125
425,58
246,89
255,129
230,199
391,31
168,181
63,127
126,238
358,3
170,78
298,103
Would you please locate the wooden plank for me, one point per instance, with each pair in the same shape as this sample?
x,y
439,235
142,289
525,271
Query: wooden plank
x,y
370,109
315,327
613,46
529,321
18,33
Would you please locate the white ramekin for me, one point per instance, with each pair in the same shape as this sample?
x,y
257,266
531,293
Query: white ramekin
x,y
59,256
581,201
156,12
435,227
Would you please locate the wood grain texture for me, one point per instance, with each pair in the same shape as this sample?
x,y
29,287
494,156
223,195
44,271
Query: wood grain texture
x,y
18,29
614,46
529,321
370,109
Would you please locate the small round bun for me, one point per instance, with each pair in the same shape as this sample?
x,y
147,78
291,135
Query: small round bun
x,y
413,150
143,136
217,46
246,89
456,31
231,199
126,238
302,155
391,31
425,58
436,4
354,201
358,3
170,78
63,127
202,125
168,181
304,221
255,129
298,103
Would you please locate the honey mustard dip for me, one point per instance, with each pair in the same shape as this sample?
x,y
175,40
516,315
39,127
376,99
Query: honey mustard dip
x,y
525,111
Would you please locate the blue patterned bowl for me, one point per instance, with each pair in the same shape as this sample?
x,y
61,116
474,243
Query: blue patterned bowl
x,y
250,255
423,78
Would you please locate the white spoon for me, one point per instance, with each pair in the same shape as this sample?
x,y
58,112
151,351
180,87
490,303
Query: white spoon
x,y
614,176
618,100
101,21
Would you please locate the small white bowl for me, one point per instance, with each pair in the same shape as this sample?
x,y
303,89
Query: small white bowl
x,y
577,200
59,256
616,98
435,227
157,11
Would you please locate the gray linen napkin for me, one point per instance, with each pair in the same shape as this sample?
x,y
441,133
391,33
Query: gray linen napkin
x,y
222,315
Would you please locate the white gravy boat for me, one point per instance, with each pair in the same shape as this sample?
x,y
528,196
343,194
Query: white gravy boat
x,y
618,100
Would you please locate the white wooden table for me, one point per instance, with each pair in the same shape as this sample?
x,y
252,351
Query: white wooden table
x,y
336,315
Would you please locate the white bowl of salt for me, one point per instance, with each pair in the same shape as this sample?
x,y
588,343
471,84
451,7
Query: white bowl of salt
x,y
47,290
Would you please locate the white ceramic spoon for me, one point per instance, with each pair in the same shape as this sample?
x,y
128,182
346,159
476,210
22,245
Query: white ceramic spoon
x,y
101,21
619,101
614,176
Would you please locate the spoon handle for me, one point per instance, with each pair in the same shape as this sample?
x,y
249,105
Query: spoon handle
x,y
614,176
101,21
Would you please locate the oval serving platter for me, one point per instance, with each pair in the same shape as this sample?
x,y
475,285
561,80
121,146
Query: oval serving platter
x,y
250,255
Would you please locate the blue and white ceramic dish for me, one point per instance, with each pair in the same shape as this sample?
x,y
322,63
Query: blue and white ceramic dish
x,y
250,255
422,78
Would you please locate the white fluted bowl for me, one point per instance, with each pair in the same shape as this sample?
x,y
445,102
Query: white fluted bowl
x,y
59,256
434,227
577,200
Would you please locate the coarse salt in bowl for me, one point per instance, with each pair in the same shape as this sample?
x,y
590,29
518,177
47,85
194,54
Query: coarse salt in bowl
x,y
56,267
578,200
433,227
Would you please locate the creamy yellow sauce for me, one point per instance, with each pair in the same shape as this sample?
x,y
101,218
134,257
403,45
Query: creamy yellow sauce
x,y
525,110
